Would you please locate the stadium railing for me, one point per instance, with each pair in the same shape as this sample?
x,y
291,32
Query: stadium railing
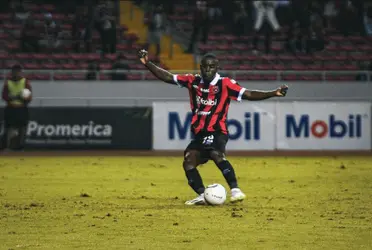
x,y
279,74
147,101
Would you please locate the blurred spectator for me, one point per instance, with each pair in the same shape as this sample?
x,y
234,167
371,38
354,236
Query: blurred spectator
x,y
52,33
364,66
200,23
119,65
82,29
93,70
346,19
105,23
367,19
359,6
316,41
154,20
330,13
265,11
214,10
18,10
298,32
283,12
241,21
29,37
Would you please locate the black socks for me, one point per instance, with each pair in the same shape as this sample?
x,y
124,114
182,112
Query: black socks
x,y
195,180
229,173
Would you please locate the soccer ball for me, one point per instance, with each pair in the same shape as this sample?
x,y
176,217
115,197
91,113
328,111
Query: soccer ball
x,y
215,194
26,93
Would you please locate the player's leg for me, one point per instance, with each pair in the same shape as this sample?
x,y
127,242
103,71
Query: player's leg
x,y
192,158
190,162
8,122
23,122
217,154
18,141
19,116
13,138
4,138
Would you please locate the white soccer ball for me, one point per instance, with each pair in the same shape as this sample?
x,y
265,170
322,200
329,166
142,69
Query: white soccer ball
x,y
215,194
26,93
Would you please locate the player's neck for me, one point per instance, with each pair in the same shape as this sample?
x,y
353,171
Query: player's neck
x,y
209,81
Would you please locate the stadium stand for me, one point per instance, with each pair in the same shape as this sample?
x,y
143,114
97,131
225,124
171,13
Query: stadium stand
x,y
342,53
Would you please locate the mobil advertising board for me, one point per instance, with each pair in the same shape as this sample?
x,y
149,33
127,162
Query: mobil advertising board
x,y
251,126
269,126
323,126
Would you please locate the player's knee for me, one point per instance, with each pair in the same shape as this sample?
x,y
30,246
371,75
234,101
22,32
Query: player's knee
x,y
217,156
189,161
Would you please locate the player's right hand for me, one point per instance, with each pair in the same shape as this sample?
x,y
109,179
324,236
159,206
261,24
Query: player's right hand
x,y
143,55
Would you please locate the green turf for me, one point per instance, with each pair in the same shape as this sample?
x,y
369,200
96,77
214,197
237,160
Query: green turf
x,y
137,203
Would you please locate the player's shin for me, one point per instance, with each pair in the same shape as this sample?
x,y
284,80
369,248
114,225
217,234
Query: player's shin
x,y
194,179
228,172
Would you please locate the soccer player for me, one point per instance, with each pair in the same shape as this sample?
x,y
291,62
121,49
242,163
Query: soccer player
x,y
210,96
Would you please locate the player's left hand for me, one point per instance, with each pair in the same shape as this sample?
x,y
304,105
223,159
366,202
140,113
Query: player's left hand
x,y
282,90
143,55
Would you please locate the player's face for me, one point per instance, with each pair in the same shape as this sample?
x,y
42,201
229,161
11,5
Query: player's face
x,y
209,68
16,74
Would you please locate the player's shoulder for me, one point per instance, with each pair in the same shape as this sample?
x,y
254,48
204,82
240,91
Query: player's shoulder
x,y
189,75
194,77
228,80
197,77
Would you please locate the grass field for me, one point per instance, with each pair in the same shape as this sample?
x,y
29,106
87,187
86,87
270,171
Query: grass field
x,y
138,203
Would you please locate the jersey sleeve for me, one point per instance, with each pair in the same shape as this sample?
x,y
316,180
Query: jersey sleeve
x,y
235,91
184,81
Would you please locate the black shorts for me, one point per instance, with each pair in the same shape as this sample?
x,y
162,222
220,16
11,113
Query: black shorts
x,y
16,117
205,143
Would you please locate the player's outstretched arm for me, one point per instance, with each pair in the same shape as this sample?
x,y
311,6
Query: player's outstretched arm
x,y
257,95
160,73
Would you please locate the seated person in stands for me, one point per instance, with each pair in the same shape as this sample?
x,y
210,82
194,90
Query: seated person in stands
x,y
316,41
51,33
93,69
29,37
119,65
363,76
82,29
367,18
18,10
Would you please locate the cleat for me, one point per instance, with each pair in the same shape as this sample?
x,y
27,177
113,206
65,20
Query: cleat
x,y
197,201
237,195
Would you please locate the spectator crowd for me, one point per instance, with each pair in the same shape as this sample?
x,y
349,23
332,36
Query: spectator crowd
x,y
304,22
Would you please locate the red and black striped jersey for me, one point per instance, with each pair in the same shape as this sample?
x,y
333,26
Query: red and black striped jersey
x,y
210,102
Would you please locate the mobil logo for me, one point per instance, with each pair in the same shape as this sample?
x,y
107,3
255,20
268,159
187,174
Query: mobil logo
x,y
302,126
246,127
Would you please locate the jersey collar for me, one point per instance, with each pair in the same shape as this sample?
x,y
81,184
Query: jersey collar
x,y
214,81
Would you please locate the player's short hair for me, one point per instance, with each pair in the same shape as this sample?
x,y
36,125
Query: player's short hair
x,y
209,56
17,67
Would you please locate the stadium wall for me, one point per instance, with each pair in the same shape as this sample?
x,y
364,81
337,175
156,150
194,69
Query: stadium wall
x,y
258,126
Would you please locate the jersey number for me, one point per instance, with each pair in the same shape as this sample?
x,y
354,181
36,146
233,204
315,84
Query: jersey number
x,y
208,140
